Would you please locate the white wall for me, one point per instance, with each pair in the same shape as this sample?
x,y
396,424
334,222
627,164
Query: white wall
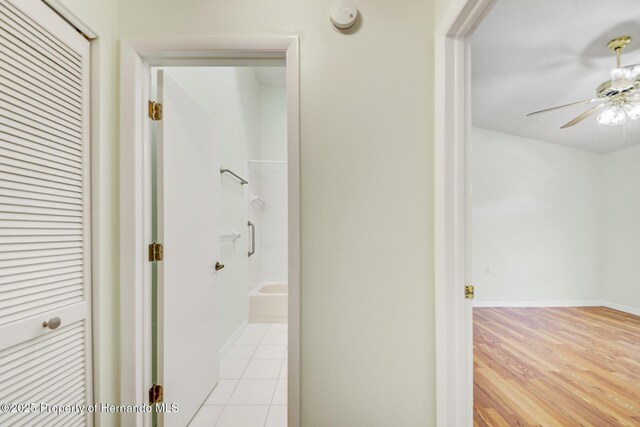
x,y
231,97
621,203
367,233
554,224
268,181
273,122
536,220
269,263
366,104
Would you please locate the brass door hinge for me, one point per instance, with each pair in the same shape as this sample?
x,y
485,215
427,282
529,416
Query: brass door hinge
x,y
155,252
155,110
469,292
155,394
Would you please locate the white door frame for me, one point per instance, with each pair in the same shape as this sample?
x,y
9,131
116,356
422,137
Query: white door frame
x,y
454,327
137,56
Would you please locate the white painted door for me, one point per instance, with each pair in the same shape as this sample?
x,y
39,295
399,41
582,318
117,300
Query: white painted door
x,y
188,194
45,223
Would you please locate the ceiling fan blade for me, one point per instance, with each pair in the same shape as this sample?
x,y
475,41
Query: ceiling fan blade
x,y
582,116
586,101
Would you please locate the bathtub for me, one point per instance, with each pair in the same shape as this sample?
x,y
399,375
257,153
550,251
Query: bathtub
x,y
269,303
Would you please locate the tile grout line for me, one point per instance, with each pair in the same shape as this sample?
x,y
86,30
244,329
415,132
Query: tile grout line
x,y
274,393
266,418
282,360
224,407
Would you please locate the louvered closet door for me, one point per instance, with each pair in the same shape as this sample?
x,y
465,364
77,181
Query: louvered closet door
x,y
44,214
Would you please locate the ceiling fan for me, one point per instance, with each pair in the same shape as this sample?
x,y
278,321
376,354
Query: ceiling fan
x,y
618,99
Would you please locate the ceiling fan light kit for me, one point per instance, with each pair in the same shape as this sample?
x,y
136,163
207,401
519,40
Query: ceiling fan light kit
x,y
612,116
619,97
633,110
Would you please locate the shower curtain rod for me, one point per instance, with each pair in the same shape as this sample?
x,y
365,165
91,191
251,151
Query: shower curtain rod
x,y
242,180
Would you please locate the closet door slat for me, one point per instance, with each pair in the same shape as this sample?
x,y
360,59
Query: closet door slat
x,y
29,247
47,287
31,75
21,120
34,171
50,109
16,23
25,206
40,260
17,83
39,196
42,153
20,180
42,66
53,373
36,218
51,41
40,116
13,136
14,125
17,153
38,256
58,280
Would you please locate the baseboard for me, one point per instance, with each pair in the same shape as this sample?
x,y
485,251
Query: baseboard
x,y
623,308
586,303
232,340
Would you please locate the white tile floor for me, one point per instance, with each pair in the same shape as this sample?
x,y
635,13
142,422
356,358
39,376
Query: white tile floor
x,y
252,390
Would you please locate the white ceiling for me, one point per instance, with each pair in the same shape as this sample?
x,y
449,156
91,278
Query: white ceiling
x,y
530,55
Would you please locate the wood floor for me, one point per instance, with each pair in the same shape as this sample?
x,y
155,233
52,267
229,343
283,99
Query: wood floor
x,y
556,367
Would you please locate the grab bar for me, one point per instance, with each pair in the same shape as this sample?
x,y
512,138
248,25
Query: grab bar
x,y
253,238
242,180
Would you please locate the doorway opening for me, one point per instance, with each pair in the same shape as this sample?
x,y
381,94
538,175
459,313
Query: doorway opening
x,y
550,204
208,223
223,136
531,215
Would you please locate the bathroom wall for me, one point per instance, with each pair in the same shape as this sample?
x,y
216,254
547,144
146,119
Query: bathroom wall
x,y
269,263
269,182
621,203
273,119
536,220
366,104
231,97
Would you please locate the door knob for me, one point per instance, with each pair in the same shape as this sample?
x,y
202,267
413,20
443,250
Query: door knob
x,y
219,266
52,323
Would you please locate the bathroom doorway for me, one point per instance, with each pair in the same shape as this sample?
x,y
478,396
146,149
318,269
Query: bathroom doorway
x,y
224,136
183,150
